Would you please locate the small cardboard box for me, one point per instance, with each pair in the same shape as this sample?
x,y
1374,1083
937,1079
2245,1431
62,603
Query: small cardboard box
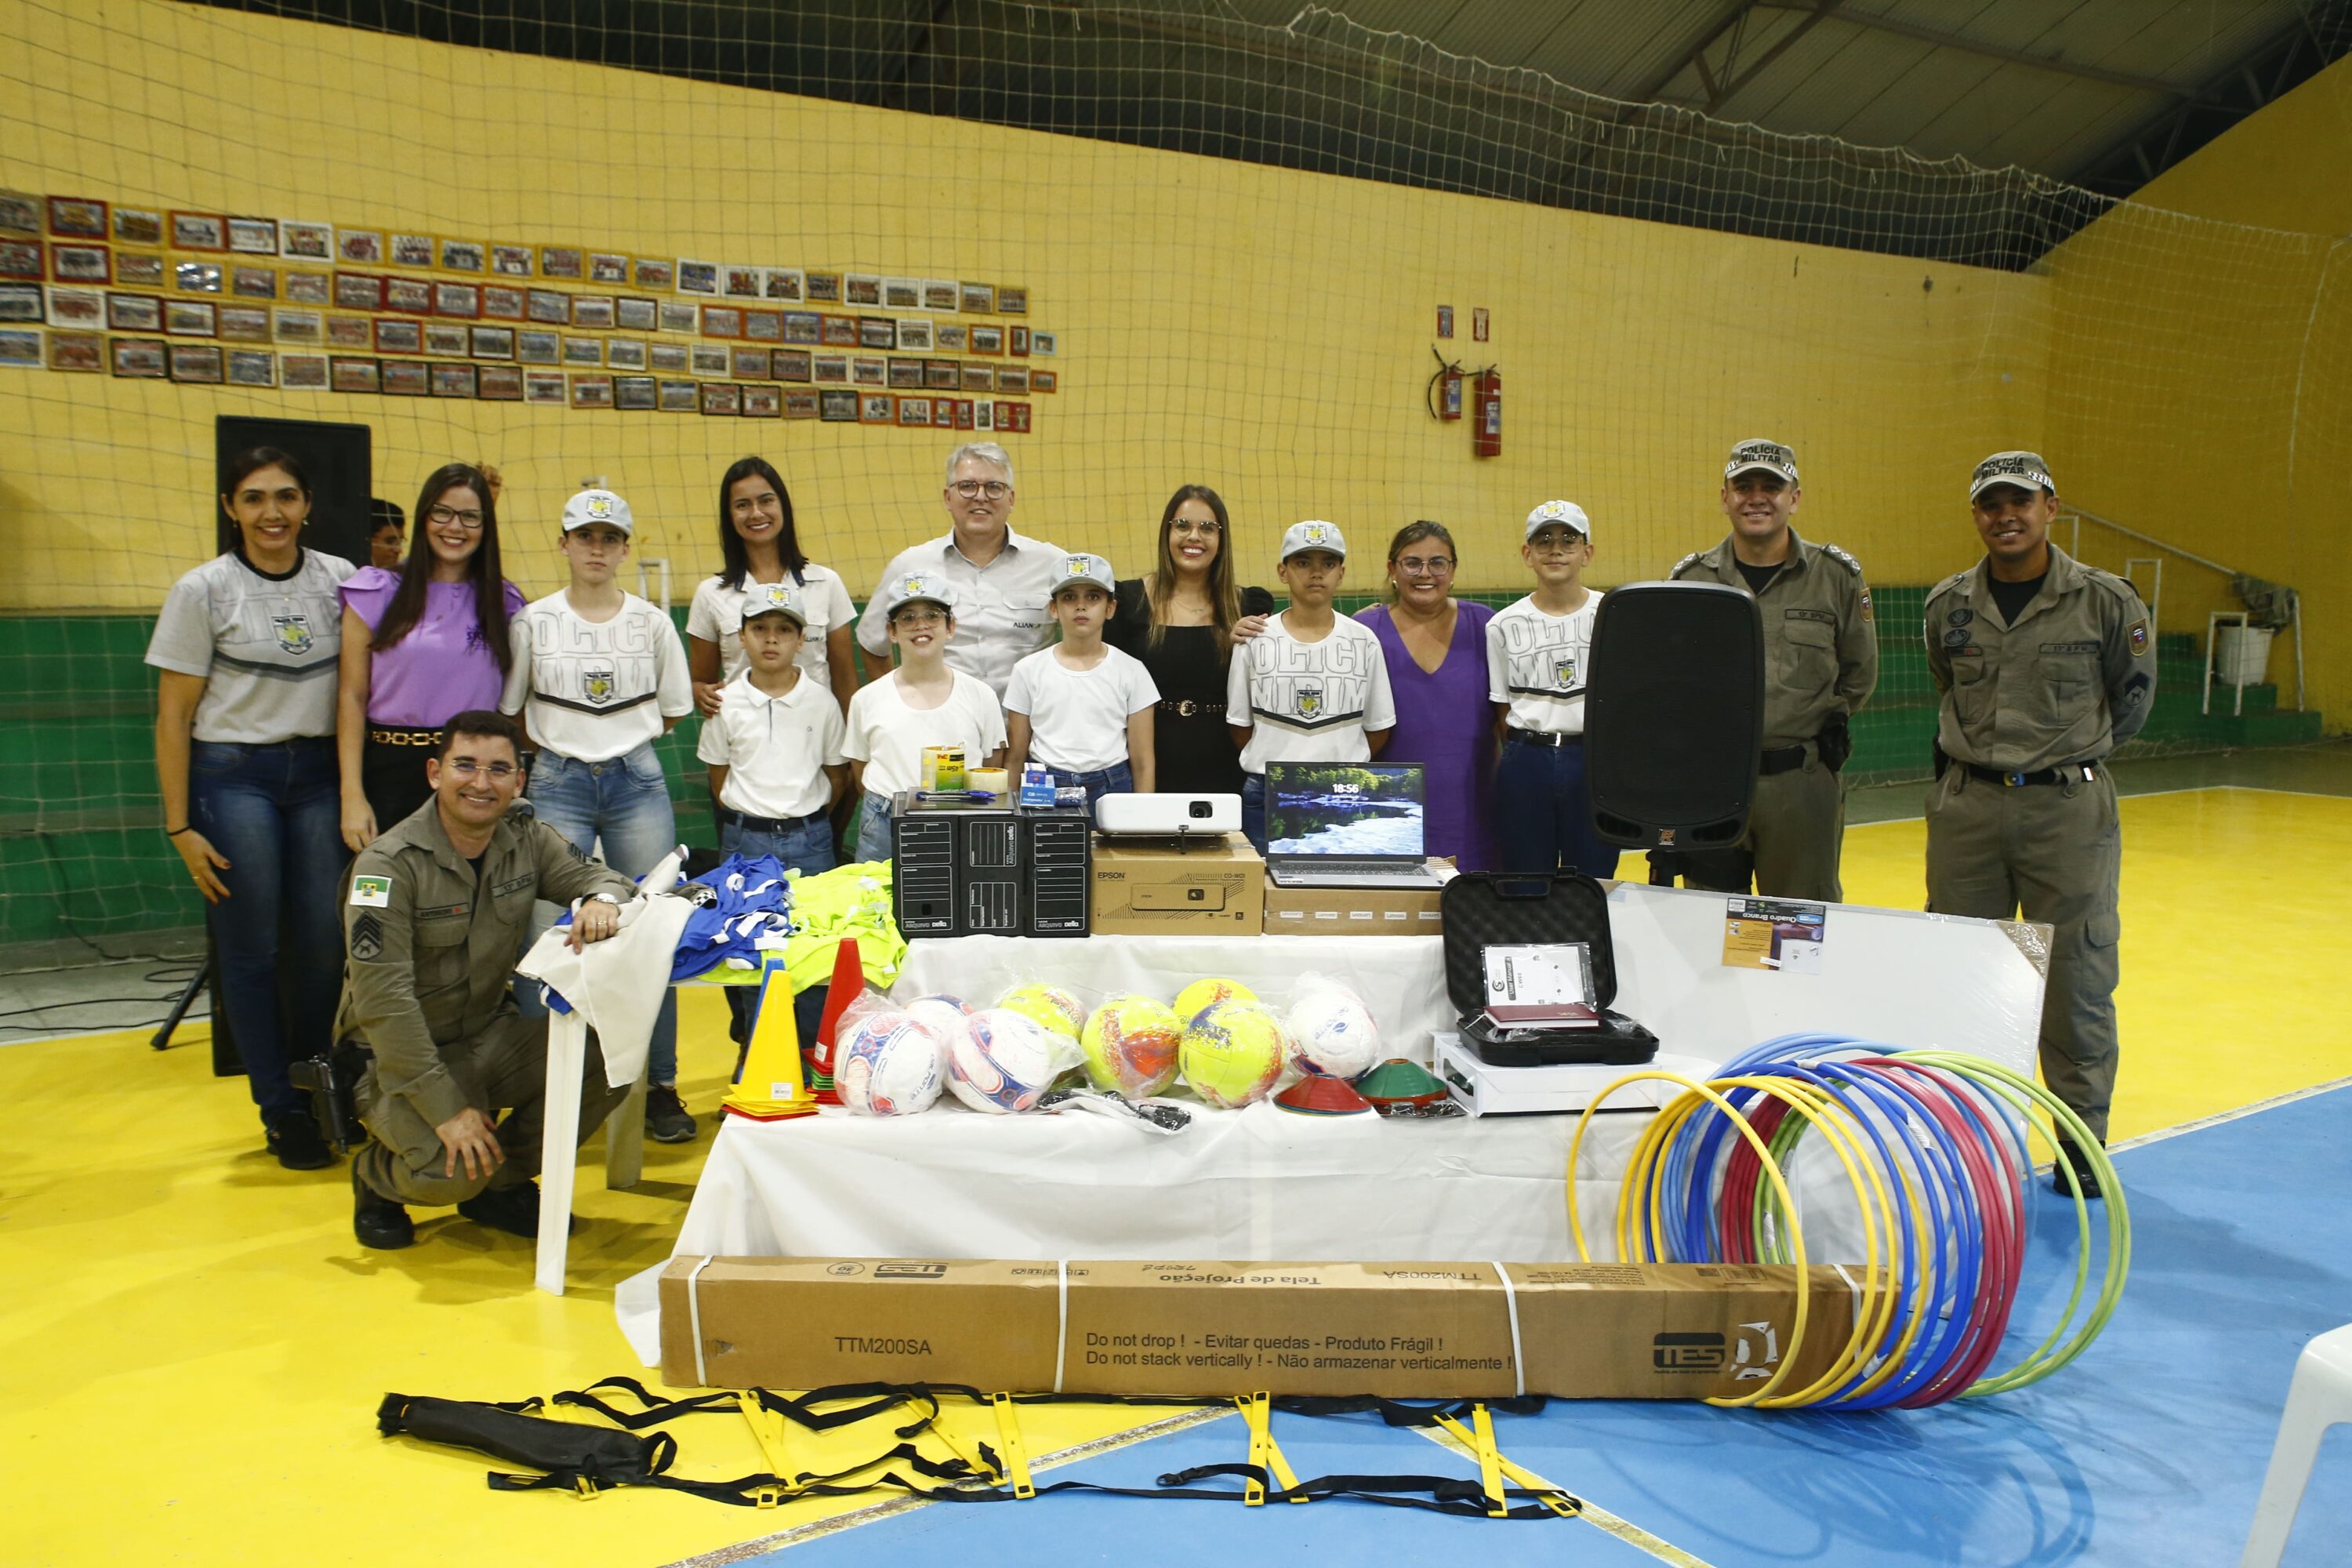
x,y
1427,1331
1355,911
1209,886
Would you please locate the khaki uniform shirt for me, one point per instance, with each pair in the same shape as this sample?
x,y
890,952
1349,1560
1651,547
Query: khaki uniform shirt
x,y
432,947
1820,646
2069,682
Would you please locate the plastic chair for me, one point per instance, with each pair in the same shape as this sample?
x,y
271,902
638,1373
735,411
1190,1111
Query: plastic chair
x,y
2320,1396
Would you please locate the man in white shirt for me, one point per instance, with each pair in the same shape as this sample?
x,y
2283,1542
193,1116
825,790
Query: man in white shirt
x,y
1003,580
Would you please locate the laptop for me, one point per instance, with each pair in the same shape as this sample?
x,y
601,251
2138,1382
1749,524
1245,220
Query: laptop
x,y
1346,824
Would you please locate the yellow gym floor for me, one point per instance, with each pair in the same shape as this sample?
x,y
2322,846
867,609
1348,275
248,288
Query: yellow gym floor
x,y
195,1346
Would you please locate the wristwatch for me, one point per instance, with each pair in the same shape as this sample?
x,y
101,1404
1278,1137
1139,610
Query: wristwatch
x,y
603,899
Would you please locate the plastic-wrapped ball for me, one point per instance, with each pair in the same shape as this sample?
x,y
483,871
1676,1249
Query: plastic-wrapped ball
x,y
1331,1032
1049,1006
942,1016
1204,994
1130,1044
889,1066
1232,1053
1000,1061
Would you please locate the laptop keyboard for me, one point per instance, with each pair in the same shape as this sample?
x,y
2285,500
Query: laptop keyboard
x,y
1341,873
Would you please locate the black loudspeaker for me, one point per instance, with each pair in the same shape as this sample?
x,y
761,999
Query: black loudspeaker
x,y
1674,715
336,458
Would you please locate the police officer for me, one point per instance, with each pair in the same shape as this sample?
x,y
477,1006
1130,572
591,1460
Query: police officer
x,y
2045,666
1821,661
437,912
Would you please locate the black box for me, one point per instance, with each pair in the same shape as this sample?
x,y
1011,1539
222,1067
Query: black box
x,y
1481,909
989,870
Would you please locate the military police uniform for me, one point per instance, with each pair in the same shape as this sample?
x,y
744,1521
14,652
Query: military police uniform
x,y
1821,662
2022,815
432,944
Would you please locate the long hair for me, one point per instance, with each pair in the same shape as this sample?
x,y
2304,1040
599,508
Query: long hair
x,y
731,550
1225,595
407,607
226,535
1413,533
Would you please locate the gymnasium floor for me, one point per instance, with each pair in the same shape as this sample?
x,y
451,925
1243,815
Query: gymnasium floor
x,y
195,1346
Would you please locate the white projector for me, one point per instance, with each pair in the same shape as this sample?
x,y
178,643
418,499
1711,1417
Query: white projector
x,y
1168,815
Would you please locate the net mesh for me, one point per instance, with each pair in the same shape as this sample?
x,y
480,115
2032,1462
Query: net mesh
x,y
1235,241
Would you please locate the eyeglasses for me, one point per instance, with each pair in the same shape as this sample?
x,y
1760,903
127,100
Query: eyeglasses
x,y
919,618
972,489
1436,566
1210,529
466,768
447,514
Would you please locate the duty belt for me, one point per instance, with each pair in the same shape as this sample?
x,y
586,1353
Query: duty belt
x,y
1782,759
2063,774
1544,737
1185,707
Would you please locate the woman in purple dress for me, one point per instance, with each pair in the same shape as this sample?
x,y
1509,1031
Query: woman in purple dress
x,y
1436,651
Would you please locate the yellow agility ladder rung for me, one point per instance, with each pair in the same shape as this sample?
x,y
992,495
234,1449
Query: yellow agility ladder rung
x,y
1016,1457
1550,1496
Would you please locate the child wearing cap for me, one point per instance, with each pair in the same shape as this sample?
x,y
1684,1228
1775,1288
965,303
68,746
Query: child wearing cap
x,y
1314,686
1538,656
774,749
1080,707
923,703
599,675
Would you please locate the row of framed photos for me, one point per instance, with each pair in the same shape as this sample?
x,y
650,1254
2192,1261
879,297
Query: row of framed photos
x,y
79,308
82,226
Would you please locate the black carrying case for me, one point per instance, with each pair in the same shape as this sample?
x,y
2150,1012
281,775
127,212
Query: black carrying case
x,y
1484,908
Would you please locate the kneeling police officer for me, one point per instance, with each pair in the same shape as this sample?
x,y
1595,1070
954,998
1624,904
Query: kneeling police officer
x,y
436,914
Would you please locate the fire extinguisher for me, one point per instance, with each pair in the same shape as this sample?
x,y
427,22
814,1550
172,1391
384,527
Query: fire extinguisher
x,y
1445,389
1486,436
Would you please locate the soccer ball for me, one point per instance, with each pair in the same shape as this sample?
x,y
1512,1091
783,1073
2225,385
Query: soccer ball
x,y
1205,992
889,1066
942,1016
1130,1044
1232,1053
1331,1032
1000,1061
1049,1006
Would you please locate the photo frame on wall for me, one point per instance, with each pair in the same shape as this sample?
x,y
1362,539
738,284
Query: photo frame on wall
x,y
199,231
837,331
511,262
82,264
498,383
902,294
877,332
131,225
465,256
583,350
503,302
1011,301
951,337
906,375
139,269
592,311
353,290
21,302
302,372
141,359
861,288
915,411
823,288
740,282
624,354
941,294
406,378
453,380
764,403
634,392
940,376
409,296
915,335
350,333
830,370
749,364
533,346
979,300
563,261
305,287
877,408
870,370
243,324
607,266
783,283
654,273
542,386
763,326
252,367
200,363
1045,381
82,353
789,364
84,310
664,358
301,240
124,313
20,212
681,397
21,348
408,249
77,217
292,325
708,359
253,282
799,404
680,316
494,342
838,407
354,375
184,318
552,306
448,340
358,247
800,327
591,391
633,313
722,397
722,322
697,276
462,301
253,236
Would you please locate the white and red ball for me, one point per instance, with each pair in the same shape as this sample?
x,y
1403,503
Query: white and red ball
x,y
888,1066
1332,1032
1002,1061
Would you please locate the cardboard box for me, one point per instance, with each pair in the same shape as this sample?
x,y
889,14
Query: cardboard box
x,y
1209,886
1424,1331
1354,911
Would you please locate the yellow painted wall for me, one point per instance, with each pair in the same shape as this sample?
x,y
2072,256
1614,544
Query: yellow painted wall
x,y
2200,343
1265,330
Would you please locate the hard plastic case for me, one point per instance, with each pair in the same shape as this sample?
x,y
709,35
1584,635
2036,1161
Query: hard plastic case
x,y
1484,908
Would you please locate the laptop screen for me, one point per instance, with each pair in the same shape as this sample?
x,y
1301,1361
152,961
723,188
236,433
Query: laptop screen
x,y
1360,810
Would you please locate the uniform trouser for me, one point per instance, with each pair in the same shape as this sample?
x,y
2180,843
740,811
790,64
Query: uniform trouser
x,y
504,1067
1544,814
2053,851
1796,831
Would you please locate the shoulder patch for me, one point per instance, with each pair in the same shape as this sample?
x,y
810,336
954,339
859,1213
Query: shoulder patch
x,y
1843,559
2137,637
372,892
1684,563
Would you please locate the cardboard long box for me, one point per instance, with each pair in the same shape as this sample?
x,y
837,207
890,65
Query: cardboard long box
x,y
1199,887
1400,1330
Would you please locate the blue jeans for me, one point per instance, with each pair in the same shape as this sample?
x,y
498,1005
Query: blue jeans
x,y
1543,815
1116,779
1254,810
808,849
275,812
874,828
625,803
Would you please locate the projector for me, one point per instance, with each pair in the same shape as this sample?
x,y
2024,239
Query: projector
x,y
1169,816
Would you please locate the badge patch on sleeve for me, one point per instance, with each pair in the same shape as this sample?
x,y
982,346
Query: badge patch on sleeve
x,y
372,892
2137,637
367,939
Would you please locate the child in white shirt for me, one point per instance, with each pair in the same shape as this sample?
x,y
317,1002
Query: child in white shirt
x,y
1080,707
1538,654
1314,686
923,703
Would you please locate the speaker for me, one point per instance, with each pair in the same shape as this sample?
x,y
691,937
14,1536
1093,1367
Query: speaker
x,y
336,458
1674,715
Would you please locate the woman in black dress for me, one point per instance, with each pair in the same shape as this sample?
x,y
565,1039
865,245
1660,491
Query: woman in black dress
x,y
1182,622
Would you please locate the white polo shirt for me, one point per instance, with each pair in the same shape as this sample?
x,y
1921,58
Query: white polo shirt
x,y
594,690
888,737
1309,701
717,617
775,749
1003,609
1539,664
1077,717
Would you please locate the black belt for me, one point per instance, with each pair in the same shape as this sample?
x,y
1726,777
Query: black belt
x,y
2065,774
1543,737
1781,760
1185,707
727,816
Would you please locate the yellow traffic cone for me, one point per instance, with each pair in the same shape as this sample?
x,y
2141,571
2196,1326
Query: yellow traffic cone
x,y
771,1088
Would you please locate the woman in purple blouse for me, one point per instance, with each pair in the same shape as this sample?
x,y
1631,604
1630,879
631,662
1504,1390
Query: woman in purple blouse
x,y
1436,650
419,645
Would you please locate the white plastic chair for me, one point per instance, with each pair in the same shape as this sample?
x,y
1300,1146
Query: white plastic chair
x,y
2320,1396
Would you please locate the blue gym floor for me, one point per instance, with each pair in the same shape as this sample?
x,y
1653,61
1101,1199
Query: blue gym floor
x,y
2147,1450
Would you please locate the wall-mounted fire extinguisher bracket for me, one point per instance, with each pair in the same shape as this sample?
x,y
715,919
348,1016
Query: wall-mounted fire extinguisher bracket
x,y
1444,394
1487,401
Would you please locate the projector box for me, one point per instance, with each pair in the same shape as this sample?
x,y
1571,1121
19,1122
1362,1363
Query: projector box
x,y
1355,911
1420,1331
1209,886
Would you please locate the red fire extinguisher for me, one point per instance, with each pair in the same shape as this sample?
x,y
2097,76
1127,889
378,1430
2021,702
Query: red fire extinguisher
x,y
1449,393
1486,436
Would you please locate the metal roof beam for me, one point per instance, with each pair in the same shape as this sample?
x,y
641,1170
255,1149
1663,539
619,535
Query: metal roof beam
x,y
1944,40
